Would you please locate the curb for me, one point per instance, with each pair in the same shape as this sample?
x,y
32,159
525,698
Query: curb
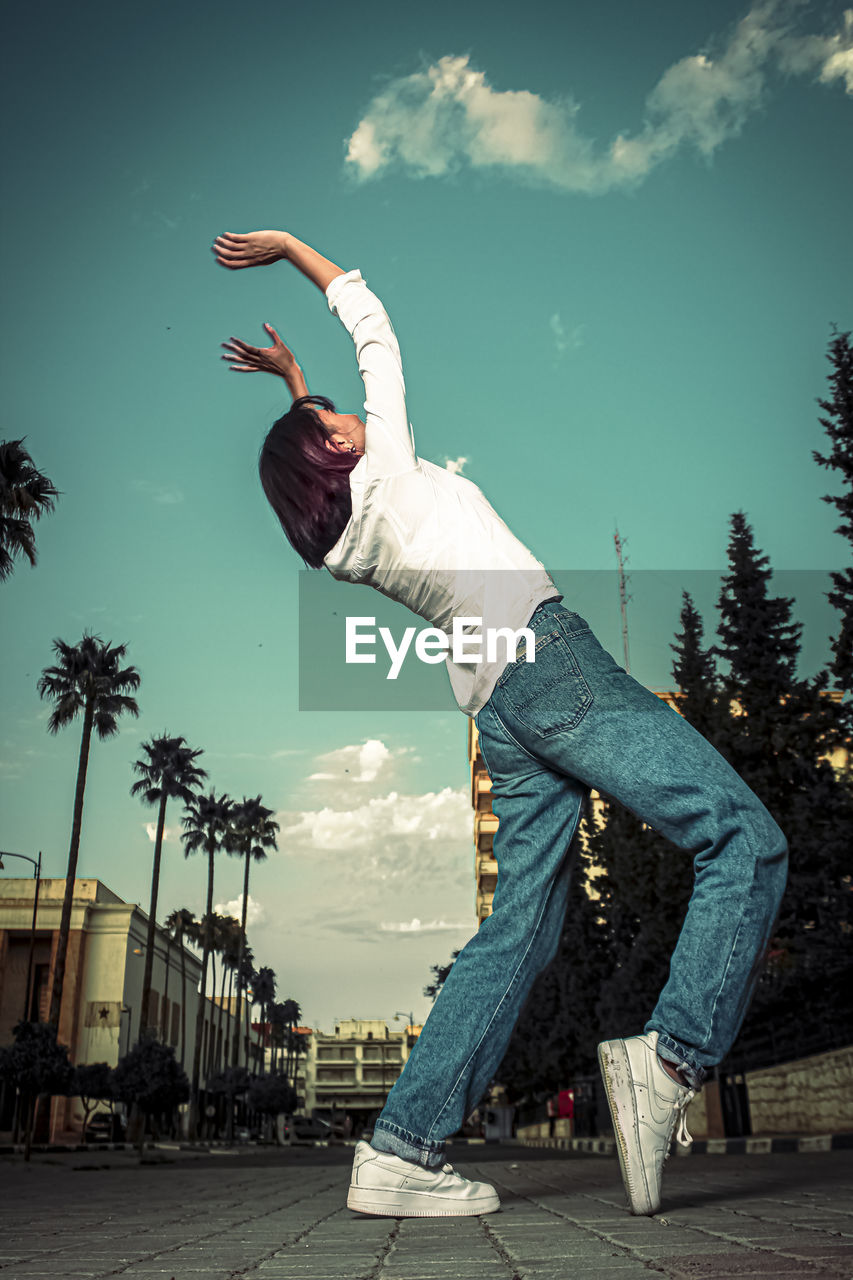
x,y
790,1144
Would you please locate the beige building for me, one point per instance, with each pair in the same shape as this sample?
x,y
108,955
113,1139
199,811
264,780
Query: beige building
x,y
102,989
352,1071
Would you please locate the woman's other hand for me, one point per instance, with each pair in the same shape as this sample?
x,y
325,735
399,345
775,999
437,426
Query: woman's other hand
x,y
277,359
256,249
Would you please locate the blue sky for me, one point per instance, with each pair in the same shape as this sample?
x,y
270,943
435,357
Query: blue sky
x,y
612,244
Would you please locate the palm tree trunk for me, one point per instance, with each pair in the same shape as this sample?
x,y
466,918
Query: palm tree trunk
x,y
248,1030
152,918
71,873
164,1012
199,1022
226,1057
183,997
211,1044
236,1057
220,1036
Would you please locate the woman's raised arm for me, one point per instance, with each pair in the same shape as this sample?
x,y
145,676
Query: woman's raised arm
x,y
262,248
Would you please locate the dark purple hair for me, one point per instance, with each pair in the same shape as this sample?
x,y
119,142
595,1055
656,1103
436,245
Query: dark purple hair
x,y
306,483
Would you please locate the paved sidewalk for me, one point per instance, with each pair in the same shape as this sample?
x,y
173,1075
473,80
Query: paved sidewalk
x,y
281,1216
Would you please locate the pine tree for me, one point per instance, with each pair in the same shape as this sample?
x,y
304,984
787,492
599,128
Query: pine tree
x,y
776,740
695,674
838,424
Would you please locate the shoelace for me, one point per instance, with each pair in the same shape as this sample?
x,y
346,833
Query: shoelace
x,y
682,1136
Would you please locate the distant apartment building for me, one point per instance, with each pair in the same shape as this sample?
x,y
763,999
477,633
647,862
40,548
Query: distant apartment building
x,y
351,1072
102,989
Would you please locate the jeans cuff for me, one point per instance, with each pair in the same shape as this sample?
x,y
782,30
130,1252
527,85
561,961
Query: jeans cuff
x,y
400,1142
684,1059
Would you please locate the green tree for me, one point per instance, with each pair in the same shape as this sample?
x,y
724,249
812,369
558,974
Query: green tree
x,y
440,974
291,1016
92,1082
272,1096
89,678
253,832
694,672
180,925
36,1065
169,772
25,496
231,1083
206,823
777,741
230,959
263,991
149,1079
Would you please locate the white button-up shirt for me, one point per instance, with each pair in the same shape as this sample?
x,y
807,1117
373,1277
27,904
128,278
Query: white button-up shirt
x,y
419,533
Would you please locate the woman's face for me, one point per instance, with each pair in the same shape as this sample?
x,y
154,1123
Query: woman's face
x,y
345,431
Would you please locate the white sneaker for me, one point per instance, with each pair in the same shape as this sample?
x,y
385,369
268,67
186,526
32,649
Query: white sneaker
x,y
645,1106
387,1185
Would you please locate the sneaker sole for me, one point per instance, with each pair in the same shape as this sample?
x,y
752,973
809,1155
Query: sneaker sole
x,y
416,1204
616,1069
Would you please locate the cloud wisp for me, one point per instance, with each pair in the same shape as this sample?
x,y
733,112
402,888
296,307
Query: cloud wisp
x,y
447,116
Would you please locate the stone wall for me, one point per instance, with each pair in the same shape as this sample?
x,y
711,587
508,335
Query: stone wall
x,y
813,1095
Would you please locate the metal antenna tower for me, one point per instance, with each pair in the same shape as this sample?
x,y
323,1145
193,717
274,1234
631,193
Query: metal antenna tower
x,y
623,598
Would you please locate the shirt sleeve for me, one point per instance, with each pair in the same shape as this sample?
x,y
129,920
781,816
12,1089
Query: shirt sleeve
x,y
389,443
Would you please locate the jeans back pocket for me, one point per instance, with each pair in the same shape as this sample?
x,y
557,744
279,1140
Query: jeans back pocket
x,y
549,694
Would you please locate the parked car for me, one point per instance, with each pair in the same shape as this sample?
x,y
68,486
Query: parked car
x,y
106,1126
310,1129
242,1134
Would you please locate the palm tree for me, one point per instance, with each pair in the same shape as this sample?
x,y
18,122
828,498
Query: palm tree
x,y
278,1028
245,979
263,993
179,924
227,945
206,824
234,941
170,772
253,832
25,495
88,677
291,1015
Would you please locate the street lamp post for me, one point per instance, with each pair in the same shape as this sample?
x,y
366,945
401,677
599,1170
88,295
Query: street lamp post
x,y
37,873
401,1013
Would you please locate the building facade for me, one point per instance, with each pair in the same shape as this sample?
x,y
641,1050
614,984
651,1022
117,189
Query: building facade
x,y
350,1073
102,988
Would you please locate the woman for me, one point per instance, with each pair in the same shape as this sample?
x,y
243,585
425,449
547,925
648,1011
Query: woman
x,y
352,494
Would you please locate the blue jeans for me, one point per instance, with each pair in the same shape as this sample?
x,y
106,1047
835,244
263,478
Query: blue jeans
x,y
553,729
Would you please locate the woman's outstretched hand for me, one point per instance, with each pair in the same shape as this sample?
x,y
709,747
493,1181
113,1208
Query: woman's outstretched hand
x,y
256,249
277,359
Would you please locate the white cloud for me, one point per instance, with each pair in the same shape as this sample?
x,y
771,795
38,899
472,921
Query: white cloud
x,y
170,834
830,57
255,913
455,465
388,838
446,116
362,762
